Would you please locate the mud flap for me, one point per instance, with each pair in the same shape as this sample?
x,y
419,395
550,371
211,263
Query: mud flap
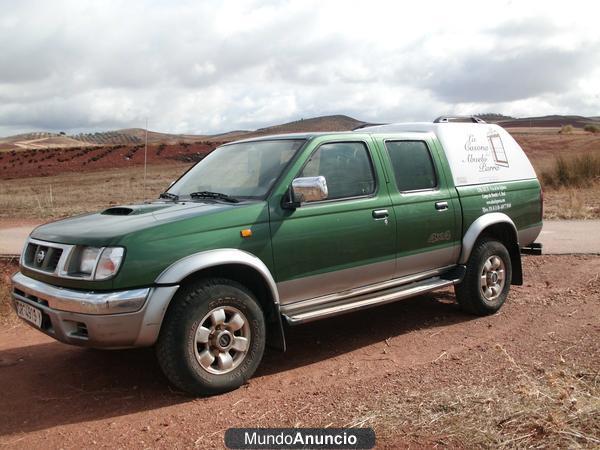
x,y
275,333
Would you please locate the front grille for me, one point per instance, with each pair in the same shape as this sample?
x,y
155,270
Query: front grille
x,y
42,257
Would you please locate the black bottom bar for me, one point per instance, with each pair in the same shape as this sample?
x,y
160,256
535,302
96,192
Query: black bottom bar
x,y
532,249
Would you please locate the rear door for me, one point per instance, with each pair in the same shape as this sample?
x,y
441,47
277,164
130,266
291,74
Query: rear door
x,y
427,209
343,242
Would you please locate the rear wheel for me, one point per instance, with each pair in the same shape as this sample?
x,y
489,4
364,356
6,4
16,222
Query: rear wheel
x,y
487,280
212,338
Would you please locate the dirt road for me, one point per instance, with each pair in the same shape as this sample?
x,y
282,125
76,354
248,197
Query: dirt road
x,y
571,236
12,239
13,234
558,237
420,372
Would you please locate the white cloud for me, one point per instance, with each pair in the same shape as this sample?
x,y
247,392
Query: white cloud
x,y
209,66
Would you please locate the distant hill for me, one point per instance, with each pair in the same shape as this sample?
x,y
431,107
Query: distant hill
x,y
323,123
314,124
109,137
548,121
230,135
129,136
156,137
39,140
136,136
133,136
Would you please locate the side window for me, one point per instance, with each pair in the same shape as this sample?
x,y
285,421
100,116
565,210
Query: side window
x,y
346,166
412,164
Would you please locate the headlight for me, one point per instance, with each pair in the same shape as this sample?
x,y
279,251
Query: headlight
x,y
88,258
97,263
109,262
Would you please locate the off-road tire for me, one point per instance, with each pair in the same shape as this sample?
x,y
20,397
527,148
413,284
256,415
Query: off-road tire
x,y
469,293
176,344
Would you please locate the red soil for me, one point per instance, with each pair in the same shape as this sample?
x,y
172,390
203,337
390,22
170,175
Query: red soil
x,y
44,162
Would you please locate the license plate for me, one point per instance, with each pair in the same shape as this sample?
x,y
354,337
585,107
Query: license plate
x,y
29,313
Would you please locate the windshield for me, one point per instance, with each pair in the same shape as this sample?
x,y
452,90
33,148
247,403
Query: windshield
x,y
247,169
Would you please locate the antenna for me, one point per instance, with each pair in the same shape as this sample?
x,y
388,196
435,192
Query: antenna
x,y
145,159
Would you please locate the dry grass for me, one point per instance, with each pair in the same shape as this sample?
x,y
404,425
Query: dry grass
x,y
577,171
7,315
592,128
64,195
556,408
571,203
566,129
572,187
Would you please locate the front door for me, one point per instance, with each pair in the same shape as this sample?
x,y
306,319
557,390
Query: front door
x,y
340,243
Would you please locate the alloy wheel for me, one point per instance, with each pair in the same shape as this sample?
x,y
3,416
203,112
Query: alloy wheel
x,y
222,340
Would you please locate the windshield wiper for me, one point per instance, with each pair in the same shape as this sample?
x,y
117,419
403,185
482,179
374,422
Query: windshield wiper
x,y
215,195
169,196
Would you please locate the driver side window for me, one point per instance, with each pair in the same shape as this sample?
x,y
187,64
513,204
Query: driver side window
x,y
347,168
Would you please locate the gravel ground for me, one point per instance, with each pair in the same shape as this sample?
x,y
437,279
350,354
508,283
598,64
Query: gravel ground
x,y
420,372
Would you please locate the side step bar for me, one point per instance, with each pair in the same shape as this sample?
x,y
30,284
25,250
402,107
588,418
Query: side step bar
x,y
534,248
295,314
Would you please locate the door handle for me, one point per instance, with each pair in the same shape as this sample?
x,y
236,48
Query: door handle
x,y
380,214
441,206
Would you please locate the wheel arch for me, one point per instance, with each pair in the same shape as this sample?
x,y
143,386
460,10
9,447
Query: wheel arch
x,y
501,227
239,266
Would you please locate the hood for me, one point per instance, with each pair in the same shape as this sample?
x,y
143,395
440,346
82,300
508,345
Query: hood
x,y
109,226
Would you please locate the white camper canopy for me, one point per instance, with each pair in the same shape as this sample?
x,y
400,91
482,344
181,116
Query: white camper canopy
x,y
477,152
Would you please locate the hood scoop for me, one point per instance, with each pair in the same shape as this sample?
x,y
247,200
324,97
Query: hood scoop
x,y
118,211
134,210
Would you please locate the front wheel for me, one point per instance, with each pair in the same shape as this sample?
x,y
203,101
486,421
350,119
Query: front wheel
x,y
487,280
212,338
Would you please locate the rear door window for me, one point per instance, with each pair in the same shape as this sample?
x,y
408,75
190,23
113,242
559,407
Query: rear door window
x,y
412,164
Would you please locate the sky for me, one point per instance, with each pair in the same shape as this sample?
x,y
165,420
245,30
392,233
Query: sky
x,y
212,66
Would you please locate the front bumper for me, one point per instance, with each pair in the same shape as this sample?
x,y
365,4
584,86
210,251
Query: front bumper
x,y
118,319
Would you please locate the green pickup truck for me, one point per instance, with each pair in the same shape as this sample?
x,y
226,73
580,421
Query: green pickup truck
x,y
281,230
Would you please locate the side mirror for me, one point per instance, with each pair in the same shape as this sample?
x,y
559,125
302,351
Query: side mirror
x,y
309,189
